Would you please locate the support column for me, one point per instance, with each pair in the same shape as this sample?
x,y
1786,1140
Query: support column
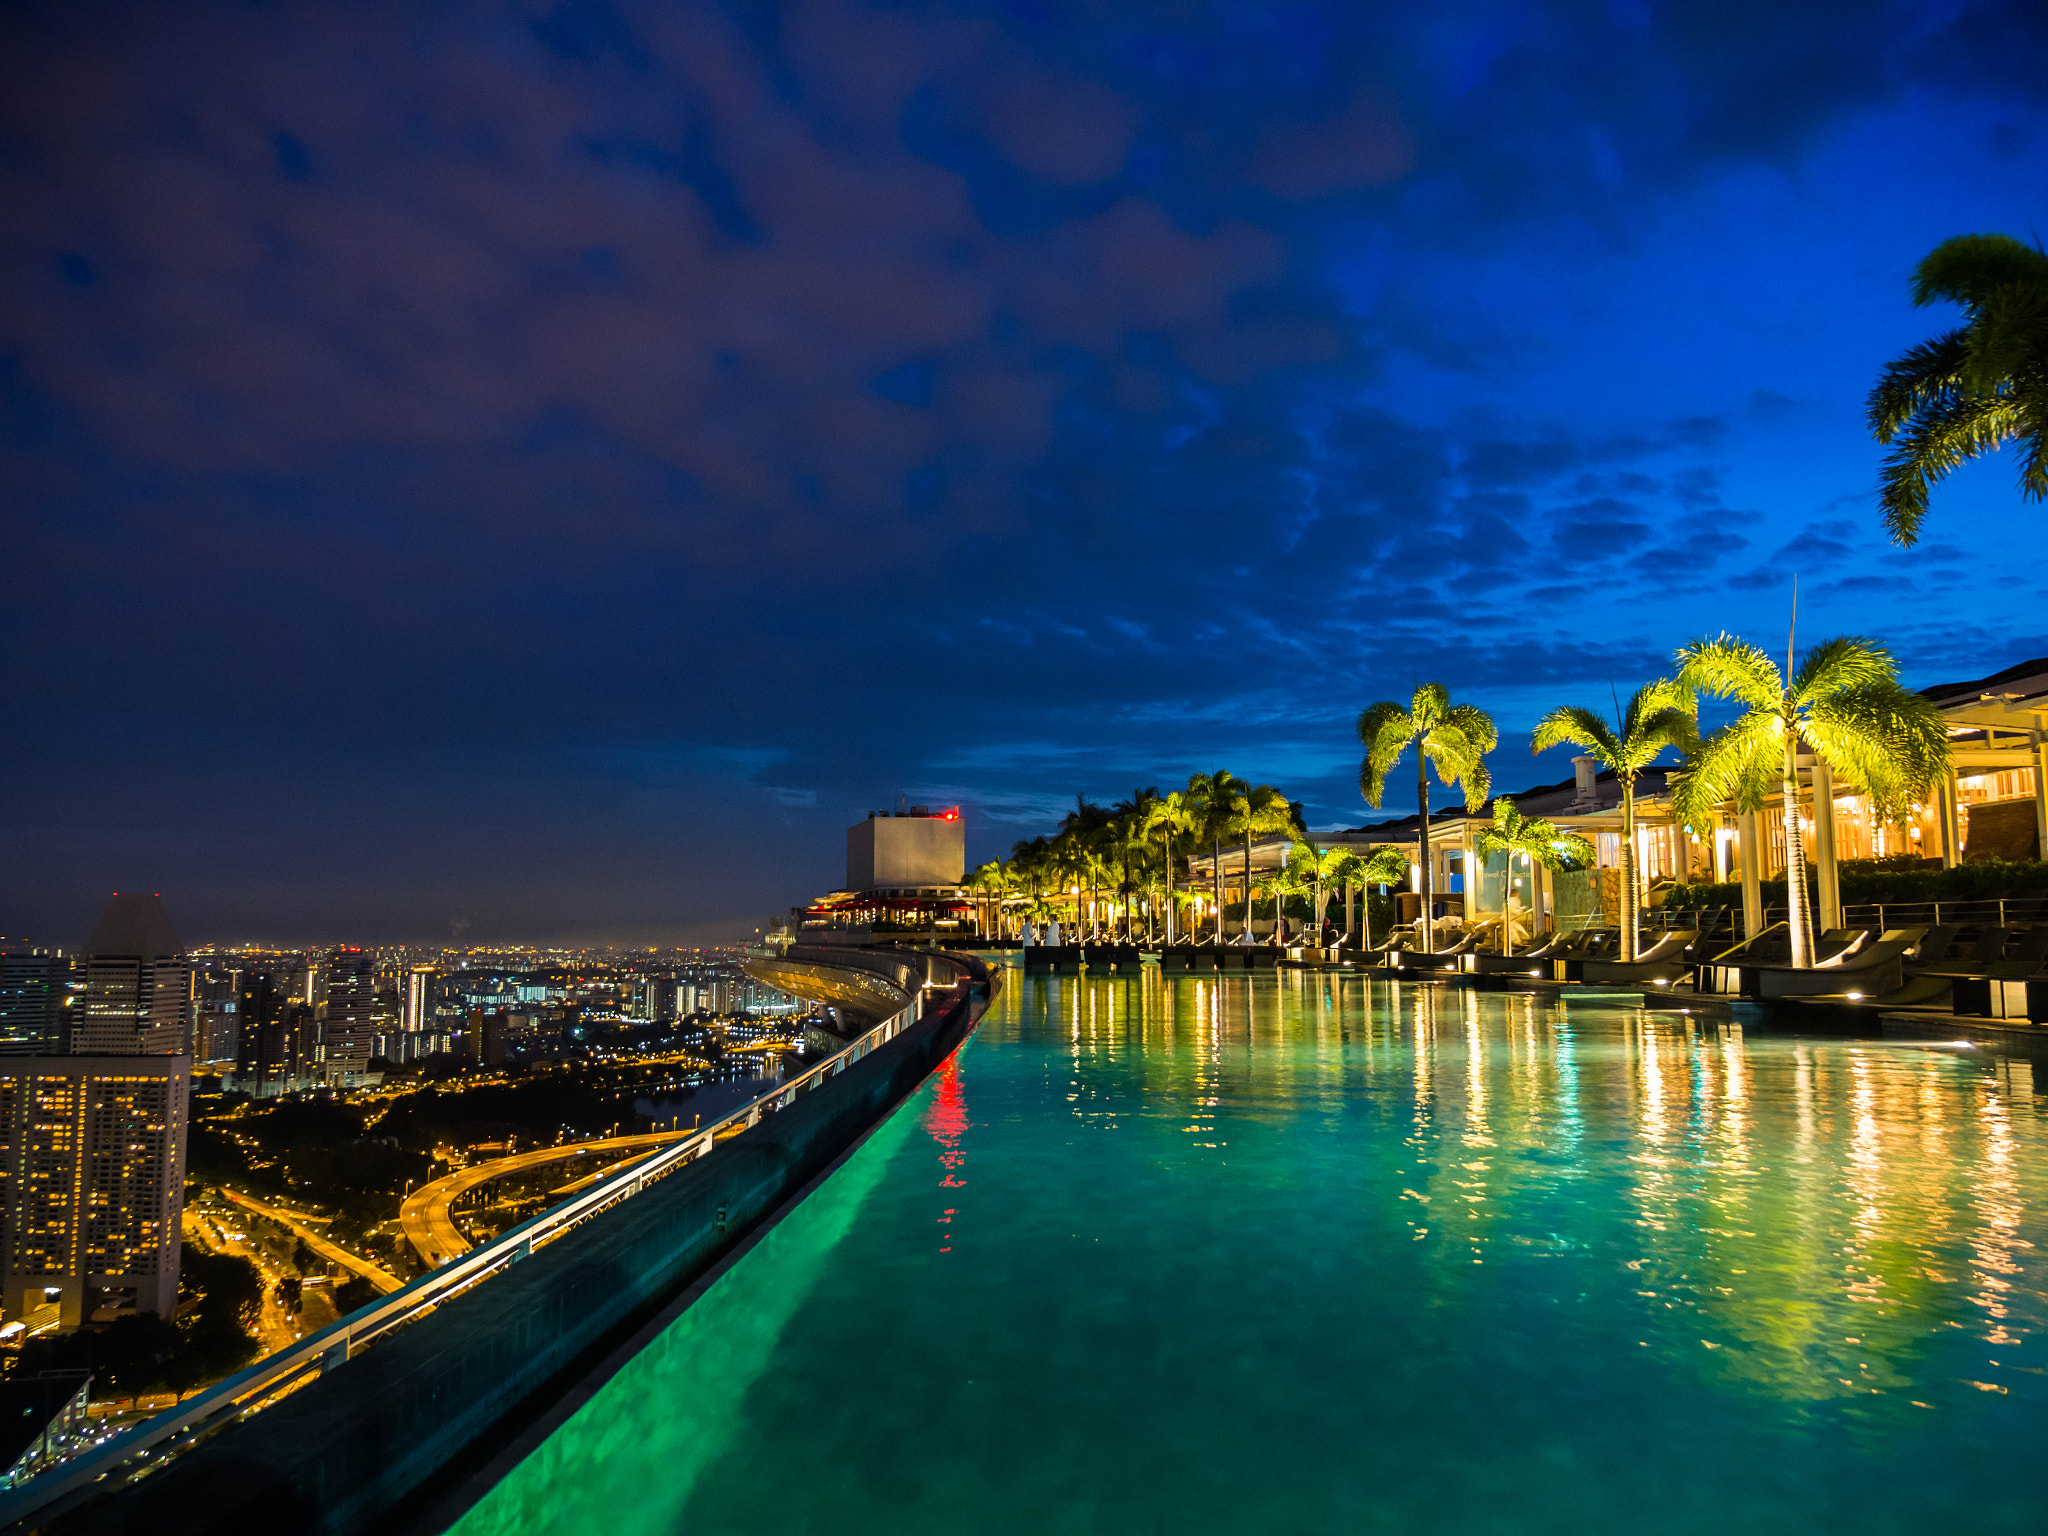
x,y
1466,857
1830,913
1951,829
1538,879
1750,835
2040,756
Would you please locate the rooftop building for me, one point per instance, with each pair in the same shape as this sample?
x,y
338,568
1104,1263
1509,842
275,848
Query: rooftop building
x,y
92,1181
138,997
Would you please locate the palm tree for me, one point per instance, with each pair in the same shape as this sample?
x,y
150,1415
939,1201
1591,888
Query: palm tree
x,y
1540,842
1844,704
1279,884
1258,810
1970,390
1453,737
1132,820
1210,798
1171,818
1385,865
1086,830
1661,716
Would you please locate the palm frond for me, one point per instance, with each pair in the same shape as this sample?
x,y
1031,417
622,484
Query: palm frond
x,y
1931,446
1968,269
1845,662
1727,668
1432,705
1883,738
1581,727
1385,729
1923,376
1738,763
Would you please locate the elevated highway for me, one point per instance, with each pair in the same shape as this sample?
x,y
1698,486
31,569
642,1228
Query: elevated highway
x,y
428,1217
352,1441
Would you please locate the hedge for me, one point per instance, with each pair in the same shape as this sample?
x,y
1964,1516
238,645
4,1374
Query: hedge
x,y
1865,882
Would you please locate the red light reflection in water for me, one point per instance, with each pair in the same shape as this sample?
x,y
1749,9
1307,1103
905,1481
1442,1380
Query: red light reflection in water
x,y
946,1120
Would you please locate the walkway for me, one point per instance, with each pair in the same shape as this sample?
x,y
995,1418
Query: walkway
x,y
426,1217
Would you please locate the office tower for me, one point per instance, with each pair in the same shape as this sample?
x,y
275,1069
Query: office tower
x,y
658,999
259,1002
417,1011
216,1016
92,1182
31,996
348,1027
138,991
488,1034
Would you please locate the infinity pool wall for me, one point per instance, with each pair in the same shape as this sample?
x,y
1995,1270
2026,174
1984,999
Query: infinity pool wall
x,y
1267,1253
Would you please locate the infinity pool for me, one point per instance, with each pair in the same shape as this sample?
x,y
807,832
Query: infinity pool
x,y
1312,1254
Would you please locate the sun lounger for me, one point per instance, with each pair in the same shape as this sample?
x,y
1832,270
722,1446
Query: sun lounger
x,y
1445,958
1873,970
1662,961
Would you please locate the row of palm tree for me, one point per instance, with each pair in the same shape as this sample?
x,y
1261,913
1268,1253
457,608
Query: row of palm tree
x,y
1843,704
1124,870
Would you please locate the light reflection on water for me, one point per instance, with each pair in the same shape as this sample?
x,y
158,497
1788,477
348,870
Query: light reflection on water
x,y
1238,1254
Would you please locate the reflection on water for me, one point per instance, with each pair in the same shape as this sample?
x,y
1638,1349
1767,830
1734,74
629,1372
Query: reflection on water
x,y
1408,1256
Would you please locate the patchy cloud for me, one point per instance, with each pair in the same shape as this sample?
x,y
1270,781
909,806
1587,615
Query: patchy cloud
x,y
667,430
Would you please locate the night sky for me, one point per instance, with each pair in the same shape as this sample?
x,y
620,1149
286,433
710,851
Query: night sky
x,y
488,472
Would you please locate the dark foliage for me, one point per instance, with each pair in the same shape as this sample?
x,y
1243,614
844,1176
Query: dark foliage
x,y
221,1301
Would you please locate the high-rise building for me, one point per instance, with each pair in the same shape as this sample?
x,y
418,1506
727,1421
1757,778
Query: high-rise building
x,y
92,1182
31,997
216,1015
417,1011
348,1023
138,990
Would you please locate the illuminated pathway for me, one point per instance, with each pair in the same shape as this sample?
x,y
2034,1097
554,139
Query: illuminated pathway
x,y
429,1222
383,1279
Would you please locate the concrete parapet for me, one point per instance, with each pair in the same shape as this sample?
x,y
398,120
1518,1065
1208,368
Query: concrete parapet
x,y
401,1423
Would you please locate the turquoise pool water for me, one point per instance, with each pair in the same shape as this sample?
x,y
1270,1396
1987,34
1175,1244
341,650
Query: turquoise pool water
x,y
1309,1254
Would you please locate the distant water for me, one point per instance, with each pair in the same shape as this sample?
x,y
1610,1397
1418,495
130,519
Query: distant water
x,y
706,1102
1302,1254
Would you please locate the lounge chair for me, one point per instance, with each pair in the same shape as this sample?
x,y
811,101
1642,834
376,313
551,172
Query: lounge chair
x,y
1662,962
1873,970
1439,959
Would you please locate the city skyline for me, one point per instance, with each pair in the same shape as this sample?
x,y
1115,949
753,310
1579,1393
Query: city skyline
x,y
541,478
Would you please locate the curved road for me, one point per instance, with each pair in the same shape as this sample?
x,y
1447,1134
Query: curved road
x,y
383,1280
430,1226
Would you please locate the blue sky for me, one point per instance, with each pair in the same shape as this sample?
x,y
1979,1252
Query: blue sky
x,y
540,472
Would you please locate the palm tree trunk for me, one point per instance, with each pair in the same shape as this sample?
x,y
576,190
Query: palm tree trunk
x,y
1424,929
1217,873
1630,918
1248,889
1798,911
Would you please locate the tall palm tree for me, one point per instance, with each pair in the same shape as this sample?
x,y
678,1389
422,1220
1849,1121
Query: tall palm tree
x,y
1132,821
1260,809
1454,738
1844,704
1541,842
1172,818
1662,716
1970,390
1086,831
1210,799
